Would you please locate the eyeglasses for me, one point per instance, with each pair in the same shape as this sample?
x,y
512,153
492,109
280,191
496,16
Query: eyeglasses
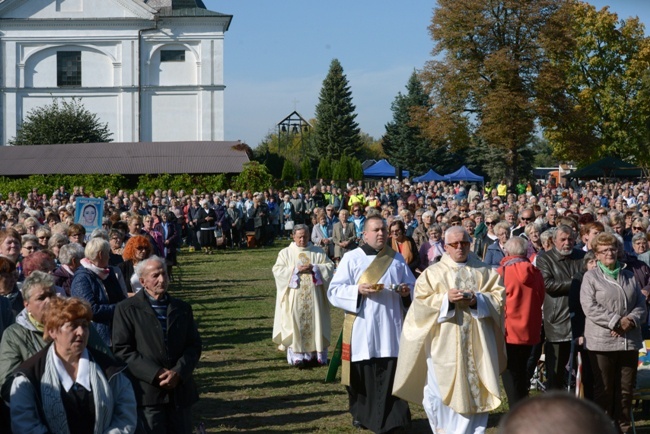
x,y
43,237
397,232
637,228
526,219
456,244
142,248
602,213
489,223
604,251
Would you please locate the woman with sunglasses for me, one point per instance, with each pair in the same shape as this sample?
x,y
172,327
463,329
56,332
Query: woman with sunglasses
x,y
482,242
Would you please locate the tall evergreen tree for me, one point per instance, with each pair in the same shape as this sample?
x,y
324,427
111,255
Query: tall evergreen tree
x,y
336,132
404,143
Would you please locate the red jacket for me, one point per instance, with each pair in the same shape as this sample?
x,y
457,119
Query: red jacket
x,y
524,299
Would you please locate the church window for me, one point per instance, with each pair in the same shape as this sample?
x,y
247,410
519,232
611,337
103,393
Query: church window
x,y
68,68
172,55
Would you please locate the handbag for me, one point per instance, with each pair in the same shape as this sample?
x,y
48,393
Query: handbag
x,y
288,225
219,238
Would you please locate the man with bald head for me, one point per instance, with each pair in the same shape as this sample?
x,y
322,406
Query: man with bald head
x,y
452,349
555,412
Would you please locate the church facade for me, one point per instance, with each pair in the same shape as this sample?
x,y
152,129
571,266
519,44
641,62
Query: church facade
x,y
151,69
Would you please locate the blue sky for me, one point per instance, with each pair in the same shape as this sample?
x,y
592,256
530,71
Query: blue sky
x,y
278,53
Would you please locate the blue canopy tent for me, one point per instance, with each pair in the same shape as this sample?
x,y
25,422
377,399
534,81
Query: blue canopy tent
x,y
382,169
463,174
431,175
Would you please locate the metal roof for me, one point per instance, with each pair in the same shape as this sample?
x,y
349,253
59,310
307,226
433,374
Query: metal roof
x,y
133,158
186,8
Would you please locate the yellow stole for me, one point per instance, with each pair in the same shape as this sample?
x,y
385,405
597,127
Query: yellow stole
x,y
373,273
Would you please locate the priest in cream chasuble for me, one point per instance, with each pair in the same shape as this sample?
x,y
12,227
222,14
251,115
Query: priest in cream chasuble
x,y
452,348
302,314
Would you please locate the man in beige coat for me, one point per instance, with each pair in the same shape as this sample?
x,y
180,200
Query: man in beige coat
x,y
452,349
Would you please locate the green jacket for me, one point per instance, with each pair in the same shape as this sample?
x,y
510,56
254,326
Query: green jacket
x,y
21,341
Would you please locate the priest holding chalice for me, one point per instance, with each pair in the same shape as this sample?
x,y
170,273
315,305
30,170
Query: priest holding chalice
x,y
302,315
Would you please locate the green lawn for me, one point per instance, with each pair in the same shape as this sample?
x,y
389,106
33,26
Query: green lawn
x,y
246,384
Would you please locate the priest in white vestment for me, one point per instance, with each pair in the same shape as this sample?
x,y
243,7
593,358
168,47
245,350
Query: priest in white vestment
x,y
377,315
452,347
302,314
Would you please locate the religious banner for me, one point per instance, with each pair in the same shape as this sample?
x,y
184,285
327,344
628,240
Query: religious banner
x,y
88,213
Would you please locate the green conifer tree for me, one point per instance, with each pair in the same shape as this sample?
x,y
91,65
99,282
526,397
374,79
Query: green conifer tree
x,y
336,133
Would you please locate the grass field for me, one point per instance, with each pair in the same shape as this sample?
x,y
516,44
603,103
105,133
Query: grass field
x,y
245,382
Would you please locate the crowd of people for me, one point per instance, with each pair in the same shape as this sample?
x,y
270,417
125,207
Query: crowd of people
x,y
91,341
427,274
503,275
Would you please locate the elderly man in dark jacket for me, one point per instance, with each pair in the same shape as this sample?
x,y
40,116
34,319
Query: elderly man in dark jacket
x,y
558,266
156,336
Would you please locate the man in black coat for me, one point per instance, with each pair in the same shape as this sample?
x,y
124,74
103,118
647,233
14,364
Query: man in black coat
x,y
558,266
156,336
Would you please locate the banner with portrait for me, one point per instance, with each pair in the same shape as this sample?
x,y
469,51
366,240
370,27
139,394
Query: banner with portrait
x,y
88,213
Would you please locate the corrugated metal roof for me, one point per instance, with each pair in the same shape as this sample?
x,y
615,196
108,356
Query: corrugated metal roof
x,y
124,158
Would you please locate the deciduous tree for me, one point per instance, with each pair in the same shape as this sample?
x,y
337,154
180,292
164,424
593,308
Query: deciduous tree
x,y
482,82
59,123
593,90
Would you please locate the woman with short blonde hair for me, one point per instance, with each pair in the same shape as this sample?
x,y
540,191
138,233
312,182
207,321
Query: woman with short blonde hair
x,y
615,309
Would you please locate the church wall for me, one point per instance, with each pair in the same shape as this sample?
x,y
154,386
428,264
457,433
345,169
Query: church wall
x,y
165,124
179,100
174,73
97,67
106,106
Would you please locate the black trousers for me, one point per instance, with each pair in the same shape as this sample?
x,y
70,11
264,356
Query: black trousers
x,y
557,356
371,396
614,379
164,419
515,377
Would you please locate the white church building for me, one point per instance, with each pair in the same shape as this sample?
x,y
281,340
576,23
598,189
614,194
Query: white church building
x,y
151,69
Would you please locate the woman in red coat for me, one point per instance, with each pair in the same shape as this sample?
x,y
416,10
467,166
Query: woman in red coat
x,y
523,315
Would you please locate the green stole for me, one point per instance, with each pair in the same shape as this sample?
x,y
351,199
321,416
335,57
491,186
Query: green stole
x,y
343,352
